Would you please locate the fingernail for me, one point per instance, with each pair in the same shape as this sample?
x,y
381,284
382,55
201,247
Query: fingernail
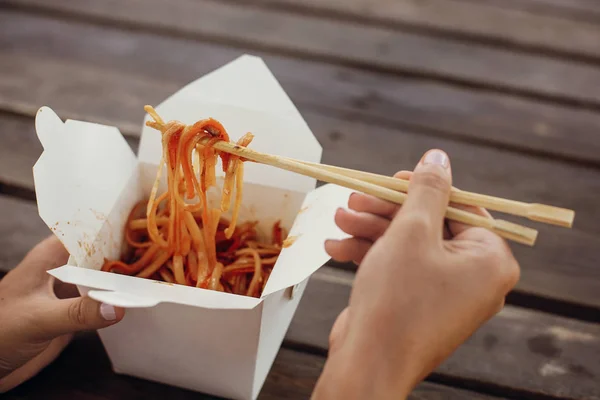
x,y
108,312
436,157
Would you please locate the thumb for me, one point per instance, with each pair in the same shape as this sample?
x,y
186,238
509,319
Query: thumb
x,y
60,317
429,191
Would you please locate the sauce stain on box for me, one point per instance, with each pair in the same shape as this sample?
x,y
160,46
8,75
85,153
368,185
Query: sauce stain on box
x,y
99,216
87,247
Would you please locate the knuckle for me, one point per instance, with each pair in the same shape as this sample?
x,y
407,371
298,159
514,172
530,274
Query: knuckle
x,y
357,201
513,274
416,224
338,330
504,267
432,178
77,313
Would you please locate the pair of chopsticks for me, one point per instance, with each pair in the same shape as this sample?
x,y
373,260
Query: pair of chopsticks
x,y
394,190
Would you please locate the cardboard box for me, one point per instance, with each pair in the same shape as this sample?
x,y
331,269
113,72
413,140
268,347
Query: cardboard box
x,y
88,179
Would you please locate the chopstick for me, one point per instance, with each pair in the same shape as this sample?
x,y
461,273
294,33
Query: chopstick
x,y
505,229
533,211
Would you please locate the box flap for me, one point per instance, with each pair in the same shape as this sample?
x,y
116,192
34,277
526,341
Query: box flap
x,y
132,292
314,224
245,97
82,164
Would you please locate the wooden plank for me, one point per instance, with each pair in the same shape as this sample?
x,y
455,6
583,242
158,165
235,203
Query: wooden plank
x,y
520,350
467,20
77,68
20,230
346,144
19,150
347,43
563,265
555,267
583,10
549,270
83,372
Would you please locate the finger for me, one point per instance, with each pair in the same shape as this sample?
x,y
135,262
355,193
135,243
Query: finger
x,y
456,228
60,317
35,365
338,331
403,175
46,255
428,196
351,249
366,203
490,251
362,225
31,272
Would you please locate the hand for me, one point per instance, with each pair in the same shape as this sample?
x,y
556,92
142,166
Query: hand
x,y
36,324
424,285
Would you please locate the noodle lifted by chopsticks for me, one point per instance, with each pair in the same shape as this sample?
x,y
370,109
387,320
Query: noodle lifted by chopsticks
x,y
187,242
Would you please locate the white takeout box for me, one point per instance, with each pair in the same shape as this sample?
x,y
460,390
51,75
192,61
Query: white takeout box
x,y
87,180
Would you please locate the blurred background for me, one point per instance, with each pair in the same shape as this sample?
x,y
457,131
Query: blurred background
x,y
510,89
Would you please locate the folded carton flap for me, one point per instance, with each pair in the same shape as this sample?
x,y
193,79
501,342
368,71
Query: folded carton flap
x,y
123,300
314,224
79,176
245,82
245,97
48,127
130,291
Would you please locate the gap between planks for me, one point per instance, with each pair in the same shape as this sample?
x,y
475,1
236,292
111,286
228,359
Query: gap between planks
x,y
434,109
446,19
517,342
513,333
293,45
292,376
562,265
577,10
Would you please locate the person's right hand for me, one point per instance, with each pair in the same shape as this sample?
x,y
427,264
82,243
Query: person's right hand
x,y
424,285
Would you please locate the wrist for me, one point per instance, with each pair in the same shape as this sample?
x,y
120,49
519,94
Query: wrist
x,y
362,372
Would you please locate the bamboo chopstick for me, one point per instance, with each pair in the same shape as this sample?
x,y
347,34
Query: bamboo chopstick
x,y
505,229
533,211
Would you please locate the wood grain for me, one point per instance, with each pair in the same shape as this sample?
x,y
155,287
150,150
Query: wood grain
x,y
83,372
556,263
20,230
578,10
563,265
418,75
19,150
519,349
75,68
474,20
345,43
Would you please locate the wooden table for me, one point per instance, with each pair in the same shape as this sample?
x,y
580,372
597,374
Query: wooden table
x,y
509,88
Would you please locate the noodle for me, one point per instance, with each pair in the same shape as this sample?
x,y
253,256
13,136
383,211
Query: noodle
x,y
182,239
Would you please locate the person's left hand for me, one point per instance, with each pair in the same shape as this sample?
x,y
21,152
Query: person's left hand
x,y
35,323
